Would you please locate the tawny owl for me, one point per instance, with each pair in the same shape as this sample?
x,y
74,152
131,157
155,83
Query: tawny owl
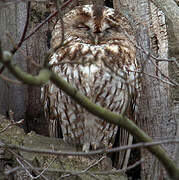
x,y
100,61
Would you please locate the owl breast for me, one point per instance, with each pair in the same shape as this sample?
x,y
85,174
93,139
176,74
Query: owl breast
x,y
97,59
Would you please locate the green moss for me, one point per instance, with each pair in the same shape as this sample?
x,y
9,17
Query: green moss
x,y
16,136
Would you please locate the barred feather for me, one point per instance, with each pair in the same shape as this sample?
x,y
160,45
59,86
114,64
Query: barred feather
x,y
98,59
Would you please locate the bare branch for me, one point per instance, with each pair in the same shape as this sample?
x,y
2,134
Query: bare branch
x,y
85,170
31,60
27,78
25,166
39,174
5,78
40,25
12,124
120,170
46,20
112,172
90,153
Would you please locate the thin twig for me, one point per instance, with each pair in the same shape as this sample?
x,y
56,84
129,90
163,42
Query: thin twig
x,y
85,170
160,79
120,170
5,78
111,172
22,52
100,151
46,20
162,74
94,164
156,77
31,60
40,25
12,124
58,5
25,163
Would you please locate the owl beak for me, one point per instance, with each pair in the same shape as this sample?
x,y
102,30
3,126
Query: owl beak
x,y
97,36
96,39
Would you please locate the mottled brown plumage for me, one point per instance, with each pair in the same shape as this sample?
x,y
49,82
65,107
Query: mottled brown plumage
x,y
98,59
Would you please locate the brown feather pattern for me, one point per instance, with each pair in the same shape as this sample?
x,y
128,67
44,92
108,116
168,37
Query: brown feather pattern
x,y
99,60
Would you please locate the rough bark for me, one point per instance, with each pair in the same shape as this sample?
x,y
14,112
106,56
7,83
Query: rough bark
x,y
148,107
12,96
155,117
173,71
171,10
36,48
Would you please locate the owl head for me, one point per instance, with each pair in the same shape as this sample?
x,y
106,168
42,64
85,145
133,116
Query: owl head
x,y
97,29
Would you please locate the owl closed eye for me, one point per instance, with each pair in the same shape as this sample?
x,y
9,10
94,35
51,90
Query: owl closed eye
x,y
82,27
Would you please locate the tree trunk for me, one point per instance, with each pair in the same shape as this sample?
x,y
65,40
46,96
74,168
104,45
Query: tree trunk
x,y
173,31
170,8
13,96
157,119
36,49
155,115
24,101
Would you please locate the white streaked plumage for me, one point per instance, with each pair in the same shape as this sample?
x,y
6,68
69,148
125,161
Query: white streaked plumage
x,y
106,60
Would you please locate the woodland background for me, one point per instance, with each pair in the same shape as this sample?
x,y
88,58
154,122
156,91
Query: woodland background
x,y
157,27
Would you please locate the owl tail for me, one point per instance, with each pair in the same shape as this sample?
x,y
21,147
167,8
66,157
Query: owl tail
x,y
120,159
127,153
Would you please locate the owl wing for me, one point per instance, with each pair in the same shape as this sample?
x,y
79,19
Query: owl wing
x,y
101,74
